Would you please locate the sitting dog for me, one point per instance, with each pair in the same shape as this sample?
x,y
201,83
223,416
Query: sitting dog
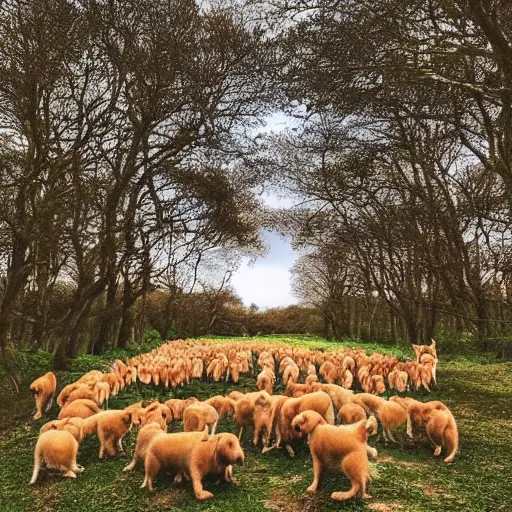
x,y
185,453
337,448
44,389
58,449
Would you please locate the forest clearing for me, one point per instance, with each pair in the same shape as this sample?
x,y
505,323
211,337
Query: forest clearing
x,y
477,389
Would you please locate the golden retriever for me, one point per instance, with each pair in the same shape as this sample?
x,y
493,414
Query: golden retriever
x,y
337,448
439,422
110,426
44,390
185,453
144,437
81,408
58,449
200,417
72,425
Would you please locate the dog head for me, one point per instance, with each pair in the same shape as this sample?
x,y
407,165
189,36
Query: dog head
x,y
306,422
229,450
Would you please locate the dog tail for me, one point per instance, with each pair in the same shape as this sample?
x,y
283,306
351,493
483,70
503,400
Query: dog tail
x,y
329,415
37,466
451,436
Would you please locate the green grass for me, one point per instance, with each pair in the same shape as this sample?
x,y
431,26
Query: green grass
x,y
408,477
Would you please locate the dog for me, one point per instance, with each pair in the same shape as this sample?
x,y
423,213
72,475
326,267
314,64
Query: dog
x,y
81,408
319,402
439,423
419,350
44,390
337,448
185,453
110,426
199,417
351,413
72,425
58,449
144,437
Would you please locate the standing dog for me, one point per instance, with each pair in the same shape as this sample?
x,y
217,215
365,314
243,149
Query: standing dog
x,y
44,389
58,448
186,453
337,448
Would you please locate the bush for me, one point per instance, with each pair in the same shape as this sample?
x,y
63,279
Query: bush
x,y
149,341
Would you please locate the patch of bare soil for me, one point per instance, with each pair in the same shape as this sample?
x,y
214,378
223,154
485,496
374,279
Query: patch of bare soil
x,y
384,507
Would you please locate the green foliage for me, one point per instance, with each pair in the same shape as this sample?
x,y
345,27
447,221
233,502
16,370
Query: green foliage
x,y
149,341
88,362
478,389
26,365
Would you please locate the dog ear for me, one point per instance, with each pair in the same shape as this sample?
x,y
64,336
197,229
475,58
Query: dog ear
x,y
127,417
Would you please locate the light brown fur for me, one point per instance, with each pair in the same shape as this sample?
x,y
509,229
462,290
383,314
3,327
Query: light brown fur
x,y
72,425
144,437
199,416
351,413
110,426
81,408
44,390
337,448
185,453
58,449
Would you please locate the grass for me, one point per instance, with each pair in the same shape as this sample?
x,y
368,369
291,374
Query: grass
x,y
408,477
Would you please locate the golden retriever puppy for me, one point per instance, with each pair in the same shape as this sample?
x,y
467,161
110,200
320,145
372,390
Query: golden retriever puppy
x,y
44,390
81,391
72,425
177,406
222,404
266,380
144,437
295,390
429,361
351,413
200,417
101,392
156,412
110,426
419,350
319,402
388,412
244,410
81,408
266,413
58,449
378,385
63,396
338,394
185,453
337,448
438,420
397,379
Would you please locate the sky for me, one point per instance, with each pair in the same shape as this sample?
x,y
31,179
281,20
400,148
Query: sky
x,y
266,282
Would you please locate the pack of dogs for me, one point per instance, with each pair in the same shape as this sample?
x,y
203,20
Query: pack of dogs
x,y
308,410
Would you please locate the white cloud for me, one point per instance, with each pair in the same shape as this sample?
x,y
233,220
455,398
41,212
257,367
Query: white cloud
x,y
265,285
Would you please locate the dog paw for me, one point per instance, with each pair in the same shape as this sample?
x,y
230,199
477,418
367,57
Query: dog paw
x,y
311,489
205,495
437,451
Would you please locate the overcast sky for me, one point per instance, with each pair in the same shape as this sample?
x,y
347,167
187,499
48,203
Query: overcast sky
x,y
267,281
